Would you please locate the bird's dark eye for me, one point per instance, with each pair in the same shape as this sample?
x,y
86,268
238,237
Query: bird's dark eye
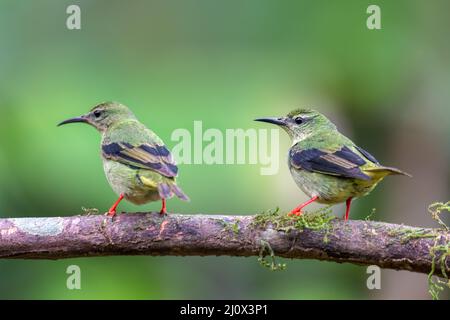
x,y
97,113
298,120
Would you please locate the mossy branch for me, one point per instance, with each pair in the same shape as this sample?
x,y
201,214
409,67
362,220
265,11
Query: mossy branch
x,y
310,236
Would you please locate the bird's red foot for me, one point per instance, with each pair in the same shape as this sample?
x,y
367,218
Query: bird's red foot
x,y
347,209
112,211
295,212
163,207
298,211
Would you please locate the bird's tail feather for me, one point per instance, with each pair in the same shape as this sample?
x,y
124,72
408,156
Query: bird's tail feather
x,y
180,194
388,171
167,190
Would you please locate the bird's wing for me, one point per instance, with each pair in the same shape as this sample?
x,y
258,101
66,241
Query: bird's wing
x,y
367,155
342,163
149,156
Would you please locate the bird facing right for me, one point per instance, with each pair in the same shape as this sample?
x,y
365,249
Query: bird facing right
x,y
325,164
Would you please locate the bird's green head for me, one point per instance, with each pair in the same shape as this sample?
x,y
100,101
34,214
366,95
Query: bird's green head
x,y
103,115
301,123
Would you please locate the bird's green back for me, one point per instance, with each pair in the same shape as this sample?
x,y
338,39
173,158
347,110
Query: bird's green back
x,y
130,131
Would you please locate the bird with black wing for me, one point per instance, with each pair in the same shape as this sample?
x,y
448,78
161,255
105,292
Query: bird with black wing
x,y
326,165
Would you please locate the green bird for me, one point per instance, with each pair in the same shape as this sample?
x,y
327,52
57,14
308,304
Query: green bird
x,y
137,164
326,165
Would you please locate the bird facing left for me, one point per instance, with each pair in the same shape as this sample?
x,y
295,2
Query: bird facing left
x,y
137,164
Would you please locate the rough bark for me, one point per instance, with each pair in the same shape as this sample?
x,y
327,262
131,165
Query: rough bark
x,y
361,242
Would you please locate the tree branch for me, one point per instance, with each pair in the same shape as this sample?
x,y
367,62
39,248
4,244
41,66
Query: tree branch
x,y
361,242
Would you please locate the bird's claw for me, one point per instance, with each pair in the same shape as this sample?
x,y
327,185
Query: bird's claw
x,y
110,213
295,213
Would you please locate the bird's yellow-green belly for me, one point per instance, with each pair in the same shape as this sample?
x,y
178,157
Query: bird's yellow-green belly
x,y
331,189
125,180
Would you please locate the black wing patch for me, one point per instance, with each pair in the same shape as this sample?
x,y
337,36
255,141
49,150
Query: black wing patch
x,y
144,156
343,163
367,155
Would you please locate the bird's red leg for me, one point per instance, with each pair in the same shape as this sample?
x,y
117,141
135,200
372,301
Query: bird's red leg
x,y
298,211
347,210
163,207
112,210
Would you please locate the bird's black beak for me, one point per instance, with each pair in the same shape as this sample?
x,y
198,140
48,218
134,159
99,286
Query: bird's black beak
x,y
73,120
277,121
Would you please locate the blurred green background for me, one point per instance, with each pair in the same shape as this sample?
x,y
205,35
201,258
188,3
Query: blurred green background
x,y
225,63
